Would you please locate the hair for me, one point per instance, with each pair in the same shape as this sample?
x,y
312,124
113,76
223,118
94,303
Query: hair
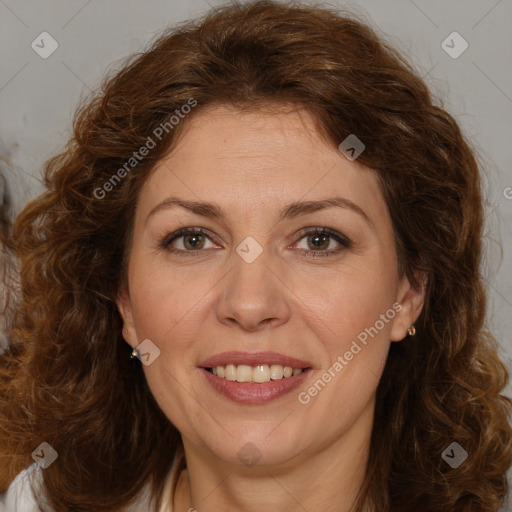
x,y
6,270
67,378
4,208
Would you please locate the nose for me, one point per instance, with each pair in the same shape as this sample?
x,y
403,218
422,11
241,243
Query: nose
x,y
253,297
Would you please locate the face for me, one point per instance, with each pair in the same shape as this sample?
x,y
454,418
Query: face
x,y
258,246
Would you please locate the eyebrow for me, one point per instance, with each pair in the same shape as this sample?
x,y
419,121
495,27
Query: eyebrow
x,y
293,210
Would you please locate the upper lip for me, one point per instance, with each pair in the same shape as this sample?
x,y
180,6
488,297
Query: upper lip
x,y
253,359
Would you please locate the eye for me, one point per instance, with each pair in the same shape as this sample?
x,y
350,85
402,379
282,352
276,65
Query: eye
x,y
321,242
316,242
187,241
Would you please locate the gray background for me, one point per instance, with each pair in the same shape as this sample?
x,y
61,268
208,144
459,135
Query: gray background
x,y
38,96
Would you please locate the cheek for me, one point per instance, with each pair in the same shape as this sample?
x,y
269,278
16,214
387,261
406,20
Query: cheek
x,y
348,302
167,305
353,322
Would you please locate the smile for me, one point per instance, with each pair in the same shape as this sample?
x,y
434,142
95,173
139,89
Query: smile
x,y
256,374
254,378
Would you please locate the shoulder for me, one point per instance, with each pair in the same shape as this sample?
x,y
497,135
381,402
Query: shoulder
x,y
19,497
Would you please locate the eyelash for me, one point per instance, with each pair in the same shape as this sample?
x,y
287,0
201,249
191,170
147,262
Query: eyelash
x,y
338,237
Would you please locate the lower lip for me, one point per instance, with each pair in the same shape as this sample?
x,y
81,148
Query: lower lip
x,y
255,393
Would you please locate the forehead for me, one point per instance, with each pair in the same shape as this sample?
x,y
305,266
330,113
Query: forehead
x,y
258,158
226,134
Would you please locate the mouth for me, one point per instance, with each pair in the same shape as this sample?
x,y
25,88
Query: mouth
x,y
255,374
254,378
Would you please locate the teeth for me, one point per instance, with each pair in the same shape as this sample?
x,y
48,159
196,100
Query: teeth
x,y
259,374
230,373
244,373
276,372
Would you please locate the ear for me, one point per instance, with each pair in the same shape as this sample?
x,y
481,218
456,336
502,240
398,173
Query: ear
x,y
411,300
125,310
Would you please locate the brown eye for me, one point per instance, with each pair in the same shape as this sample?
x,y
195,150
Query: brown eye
x,y
187,241
318,241
194,241
322,242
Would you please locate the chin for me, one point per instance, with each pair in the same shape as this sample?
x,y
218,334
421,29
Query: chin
x,y
252,449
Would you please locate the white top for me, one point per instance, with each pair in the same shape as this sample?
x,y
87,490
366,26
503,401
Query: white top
x,y
20,498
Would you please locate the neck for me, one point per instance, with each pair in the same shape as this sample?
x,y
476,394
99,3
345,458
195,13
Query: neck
x,y
326,479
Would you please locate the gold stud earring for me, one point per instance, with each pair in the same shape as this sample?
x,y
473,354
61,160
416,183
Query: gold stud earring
x,y
411,331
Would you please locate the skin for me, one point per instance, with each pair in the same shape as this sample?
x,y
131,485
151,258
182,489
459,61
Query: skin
x,y
313,456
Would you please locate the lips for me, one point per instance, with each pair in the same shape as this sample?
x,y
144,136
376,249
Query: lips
x,y
253,359
253,392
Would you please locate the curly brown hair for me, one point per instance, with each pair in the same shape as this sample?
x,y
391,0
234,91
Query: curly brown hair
x,y
67,378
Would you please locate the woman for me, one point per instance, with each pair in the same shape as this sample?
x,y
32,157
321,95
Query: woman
x,y
253,281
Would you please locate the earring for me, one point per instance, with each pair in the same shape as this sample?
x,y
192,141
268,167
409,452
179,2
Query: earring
x,y
411,331
134,354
